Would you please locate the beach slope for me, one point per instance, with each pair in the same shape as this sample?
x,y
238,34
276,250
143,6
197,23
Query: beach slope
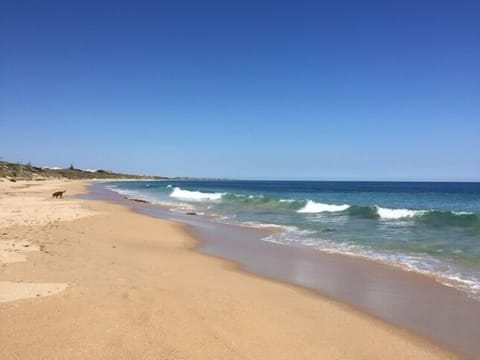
x,y
99,281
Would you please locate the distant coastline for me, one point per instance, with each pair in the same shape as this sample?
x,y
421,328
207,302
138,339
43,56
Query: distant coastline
x,y
18,171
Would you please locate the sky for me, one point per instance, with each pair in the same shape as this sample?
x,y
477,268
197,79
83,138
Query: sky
x,y
338,90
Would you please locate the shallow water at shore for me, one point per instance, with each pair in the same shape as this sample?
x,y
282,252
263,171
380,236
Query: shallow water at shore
x,y
414,302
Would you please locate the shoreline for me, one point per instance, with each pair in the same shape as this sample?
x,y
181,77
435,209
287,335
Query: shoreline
x,y
452,272
410,300
136,287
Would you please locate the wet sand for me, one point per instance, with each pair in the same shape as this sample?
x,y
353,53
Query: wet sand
x,y
441,314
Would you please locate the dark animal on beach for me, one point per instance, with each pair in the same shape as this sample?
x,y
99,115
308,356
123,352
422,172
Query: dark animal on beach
x,y
58,194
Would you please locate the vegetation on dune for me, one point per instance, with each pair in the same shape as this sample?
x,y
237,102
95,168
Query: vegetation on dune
x,y
19,171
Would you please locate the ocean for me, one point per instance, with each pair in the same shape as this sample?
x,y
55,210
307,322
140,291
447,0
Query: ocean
x,y
428,227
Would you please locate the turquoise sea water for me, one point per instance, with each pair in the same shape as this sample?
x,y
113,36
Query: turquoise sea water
x,y
433,228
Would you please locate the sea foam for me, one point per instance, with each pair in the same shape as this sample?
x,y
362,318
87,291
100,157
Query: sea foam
x,y
385,213
314,207
194,195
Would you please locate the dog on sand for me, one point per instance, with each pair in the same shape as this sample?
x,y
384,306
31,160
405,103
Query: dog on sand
x,y
58,194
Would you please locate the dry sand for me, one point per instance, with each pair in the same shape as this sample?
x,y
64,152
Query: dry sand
x,y
122,285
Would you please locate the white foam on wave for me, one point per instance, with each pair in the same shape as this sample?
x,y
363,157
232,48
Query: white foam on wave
x,y
463,213
314,207
194,195
386,213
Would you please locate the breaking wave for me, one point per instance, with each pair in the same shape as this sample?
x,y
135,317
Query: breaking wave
x,y
194,195
385,213
429,217
314,207
262,203
265,203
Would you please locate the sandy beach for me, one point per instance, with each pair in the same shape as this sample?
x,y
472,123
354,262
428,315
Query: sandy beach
x,y
89,279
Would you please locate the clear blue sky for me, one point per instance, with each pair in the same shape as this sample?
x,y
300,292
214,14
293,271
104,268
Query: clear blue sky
x,y
245,89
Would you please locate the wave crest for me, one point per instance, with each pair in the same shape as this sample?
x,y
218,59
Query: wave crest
x,y
314,207
194,195
385,213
